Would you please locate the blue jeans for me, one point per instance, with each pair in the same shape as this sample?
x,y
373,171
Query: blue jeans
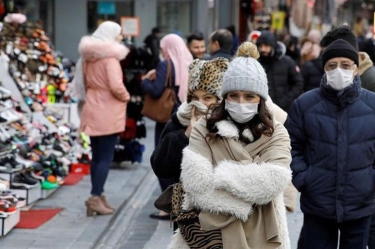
x,y
103,148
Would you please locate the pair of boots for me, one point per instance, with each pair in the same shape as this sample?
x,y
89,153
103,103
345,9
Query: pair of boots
x,y
98,205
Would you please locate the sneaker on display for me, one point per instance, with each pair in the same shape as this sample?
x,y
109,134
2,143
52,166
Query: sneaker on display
x,y
23,181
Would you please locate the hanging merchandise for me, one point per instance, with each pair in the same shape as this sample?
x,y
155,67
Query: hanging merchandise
x,y
300,17
133,66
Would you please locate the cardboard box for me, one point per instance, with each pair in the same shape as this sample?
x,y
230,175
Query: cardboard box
x,y
7,224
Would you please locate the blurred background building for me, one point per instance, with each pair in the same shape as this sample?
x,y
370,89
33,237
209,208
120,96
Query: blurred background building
x,y
65,21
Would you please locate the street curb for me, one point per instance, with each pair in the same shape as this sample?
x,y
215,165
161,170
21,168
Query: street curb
x,y
115,229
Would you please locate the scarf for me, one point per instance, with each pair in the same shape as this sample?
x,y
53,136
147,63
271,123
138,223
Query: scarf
x,y
184,111
343,97
77,87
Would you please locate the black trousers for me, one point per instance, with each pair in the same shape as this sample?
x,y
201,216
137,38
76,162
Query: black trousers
x,y
319,233
163,182
371,239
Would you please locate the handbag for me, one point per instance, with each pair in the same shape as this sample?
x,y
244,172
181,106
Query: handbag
x,y
160,109
170,201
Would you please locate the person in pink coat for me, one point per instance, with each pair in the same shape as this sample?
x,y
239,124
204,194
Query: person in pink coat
x,y
104,109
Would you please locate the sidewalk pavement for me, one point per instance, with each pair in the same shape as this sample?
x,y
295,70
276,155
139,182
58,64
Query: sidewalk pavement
x,y
132,190
71,229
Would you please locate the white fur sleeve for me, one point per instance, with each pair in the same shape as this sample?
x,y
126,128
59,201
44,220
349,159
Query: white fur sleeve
x,y
252,182
197,177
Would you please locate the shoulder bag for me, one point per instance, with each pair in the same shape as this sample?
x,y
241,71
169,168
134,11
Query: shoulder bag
x,y
160,109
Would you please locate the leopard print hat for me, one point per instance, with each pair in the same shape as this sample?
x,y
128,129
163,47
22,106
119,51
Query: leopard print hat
x,y
207,75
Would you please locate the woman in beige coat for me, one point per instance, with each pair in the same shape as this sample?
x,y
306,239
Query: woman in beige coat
x,y
104,109
236,167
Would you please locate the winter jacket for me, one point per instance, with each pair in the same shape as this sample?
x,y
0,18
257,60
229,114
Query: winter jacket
x,y
333,144
237,187
312,72
104,111
167,156
285,81
156,87
221,53
366,70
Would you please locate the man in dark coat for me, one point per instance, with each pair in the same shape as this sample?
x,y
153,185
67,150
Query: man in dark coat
x,y
285,81
312,71
220,44
333,143
366,69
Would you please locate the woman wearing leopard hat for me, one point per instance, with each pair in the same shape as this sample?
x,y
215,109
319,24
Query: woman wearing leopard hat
x,y
236,167
204,82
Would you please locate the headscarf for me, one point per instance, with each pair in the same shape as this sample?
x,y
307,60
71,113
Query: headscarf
x,y
107,31
174,48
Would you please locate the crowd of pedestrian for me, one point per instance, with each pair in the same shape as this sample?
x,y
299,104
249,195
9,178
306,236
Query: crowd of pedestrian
x,y
247,130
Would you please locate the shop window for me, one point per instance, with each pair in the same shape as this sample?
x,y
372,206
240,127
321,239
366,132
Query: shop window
x,y
174,17
100,11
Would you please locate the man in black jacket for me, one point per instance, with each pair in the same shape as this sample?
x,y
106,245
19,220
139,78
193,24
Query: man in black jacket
x,y
313,72
220,44
332,136
285,81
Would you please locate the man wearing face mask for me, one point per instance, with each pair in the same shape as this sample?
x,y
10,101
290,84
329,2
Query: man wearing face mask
x,y
333,142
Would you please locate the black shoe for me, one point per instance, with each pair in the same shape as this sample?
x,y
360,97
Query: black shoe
x,y
156,215
22,181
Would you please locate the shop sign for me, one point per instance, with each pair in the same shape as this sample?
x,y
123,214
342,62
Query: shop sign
x,y
106,8
130,26
278,18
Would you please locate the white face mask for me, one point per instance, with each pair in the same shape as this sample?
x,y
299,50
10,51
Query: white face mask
x,y
241,113
339,78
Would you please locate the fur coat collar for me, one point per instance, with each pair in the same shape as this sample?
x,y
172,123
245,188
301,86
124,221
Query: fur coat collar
x,y
217,180
365,63
91,49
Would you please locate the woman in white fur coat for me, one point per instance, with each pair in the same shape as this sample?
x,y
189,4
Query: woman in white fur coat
x,y
236,167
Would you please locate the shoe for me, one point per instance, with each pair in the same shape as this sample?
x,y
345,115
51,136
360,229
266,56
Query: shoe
x,y
106,203
49,185
95,205
157,215
22,181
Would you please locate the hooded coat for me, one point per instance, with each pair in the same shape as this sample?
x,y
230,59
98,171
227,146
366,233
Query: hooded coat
x,y
237,187
104,111
285,81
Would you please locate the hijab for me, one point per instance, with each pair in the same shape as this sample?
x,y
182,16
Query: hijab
x,y
175,49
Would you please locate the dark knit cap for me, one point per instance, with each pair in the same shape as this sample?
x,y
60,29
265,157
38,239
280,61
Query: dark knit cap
x,y
266,37
340,48
342,32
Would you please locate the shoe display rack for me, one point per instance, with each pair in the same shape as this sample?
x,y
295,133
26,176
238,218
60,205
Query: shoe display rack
x,y
38,143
